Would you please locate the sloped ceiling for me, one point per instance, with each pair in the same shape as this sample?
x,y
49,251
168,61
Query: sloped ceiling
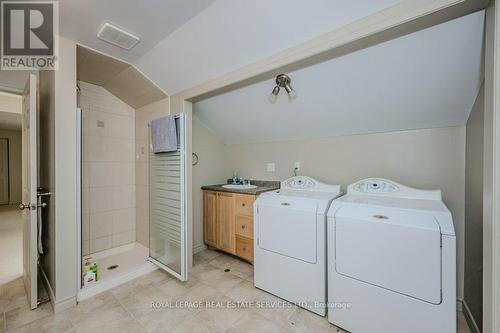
x,y
230,34
426,79
119,78
152,20
10,121
13,81
10,111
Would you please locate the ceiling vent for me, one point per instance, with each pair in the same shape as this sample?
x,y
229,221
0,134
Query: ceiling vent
x,y
117,36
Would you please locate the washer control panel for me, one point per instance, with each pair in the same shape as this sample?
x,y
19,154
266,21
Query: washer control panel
x,y
299,182
308,184
376,186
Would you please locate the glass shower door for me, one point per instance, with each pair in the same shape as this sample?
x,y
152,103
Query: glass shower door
x,y
167,207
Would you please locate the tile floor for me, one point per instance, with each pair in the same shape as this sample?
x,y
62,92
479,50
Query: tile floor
x,y
129,307
11,243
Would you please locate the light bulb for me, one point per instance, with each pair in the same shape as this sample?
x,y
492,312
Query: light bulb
x,y
272,98
274,95
292,95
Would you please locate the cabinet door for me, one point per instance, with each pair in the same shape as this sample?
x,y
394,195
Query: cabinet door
x,y
225,225
210,218
244,204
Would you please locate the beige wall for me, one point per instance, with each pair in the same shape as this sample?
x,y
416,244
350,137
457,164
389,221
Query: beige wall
x,y
65,194
212,168
491,114
108,209
428,159
15,161
473,260
143,116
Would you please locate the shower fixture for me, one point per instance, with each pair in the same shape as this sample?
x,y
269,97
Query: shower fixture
x,y
282,81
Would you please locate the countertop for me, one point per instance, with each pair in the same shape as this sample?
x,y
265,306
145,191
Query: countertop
x,y
262,186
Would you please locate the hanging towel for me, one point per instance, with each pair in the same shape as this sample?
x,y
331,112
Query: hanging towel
x,y
164,134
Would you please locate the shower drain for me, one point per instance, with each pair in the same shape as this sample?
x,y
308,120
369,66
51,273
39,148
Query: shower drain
x,y
112,267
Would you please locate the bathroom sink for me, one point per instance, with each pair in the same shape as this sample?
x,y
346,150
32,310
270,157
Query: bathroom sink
x,y
239,187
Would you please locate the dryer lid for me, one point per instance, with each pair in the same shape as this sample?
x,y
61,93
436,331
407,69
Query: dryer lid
x,y
390,248
386,194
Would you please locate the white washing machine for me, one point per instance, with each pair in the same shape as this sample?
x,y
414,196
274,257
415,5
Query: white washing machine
x,y
290,241
391,260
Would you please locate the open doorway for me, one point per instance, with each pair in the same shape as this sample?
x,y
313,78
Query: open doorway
x,y
11,242
20,205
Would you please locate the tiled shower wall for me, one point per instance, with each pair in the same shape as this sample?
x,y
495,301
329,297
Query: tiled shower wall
x,y
108,170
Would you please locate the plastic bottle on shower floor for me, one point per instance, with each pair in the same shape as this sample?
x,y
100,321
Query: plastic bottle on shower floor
x,y
90,272
88,276
95,269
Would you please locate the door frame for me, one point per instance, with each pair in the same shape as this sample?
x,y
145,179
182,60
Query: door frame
x,y
401,19
491,233
79,187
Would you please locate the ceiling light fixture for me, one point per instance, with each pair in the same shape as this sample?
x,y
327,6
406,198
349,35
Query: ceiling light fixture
x,y
282,81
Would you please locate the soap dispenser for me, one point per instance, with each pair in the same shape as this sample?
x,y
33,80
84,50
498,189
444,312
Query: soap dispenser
x,y
235,179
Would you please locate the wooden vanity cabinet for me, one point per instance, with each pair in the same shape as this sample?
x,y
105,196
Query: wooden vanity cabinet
x,y
210,218
228,222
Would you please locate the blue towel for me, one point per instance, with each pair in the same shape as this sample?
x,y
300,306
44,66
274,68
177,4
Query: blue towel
x,y
164,134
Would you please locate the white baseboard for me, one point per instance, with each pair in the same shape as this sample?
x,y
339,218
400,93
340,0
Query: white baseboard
x,y
198,248
57,305
60,306
470,318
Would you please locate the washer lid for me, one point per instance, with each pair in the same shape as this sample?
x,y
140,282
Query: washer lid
x,y
288,225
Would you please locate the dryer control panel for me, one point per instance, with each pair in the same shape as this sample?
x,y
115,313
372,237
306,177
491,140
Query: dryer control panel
x,y
387,188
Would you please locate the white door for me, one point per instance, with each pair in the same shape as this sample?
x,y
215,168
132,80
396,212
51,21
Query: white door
x,y
29,205
167,207
4,171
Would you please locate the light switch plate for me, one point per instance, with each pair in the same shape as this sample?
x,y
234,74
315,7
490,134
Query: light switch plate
x,y
270,167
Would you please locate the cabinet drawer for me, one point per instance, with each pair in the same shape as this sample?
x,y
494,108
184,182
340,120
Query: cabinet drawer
x,y
244,226
244,248
244,204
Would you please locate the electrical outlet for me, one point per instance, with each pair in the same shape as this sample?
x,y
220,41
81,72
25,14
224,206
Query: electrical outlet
x,y
270,167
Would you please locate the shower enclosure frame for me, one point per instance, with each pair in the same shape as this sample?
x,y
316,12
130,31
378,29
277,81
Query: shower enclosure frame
x,y
182,276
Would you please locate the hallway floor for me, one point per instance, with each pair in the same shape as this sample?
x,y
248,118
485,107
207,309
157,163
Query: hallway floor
x,y
11,243
156,302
